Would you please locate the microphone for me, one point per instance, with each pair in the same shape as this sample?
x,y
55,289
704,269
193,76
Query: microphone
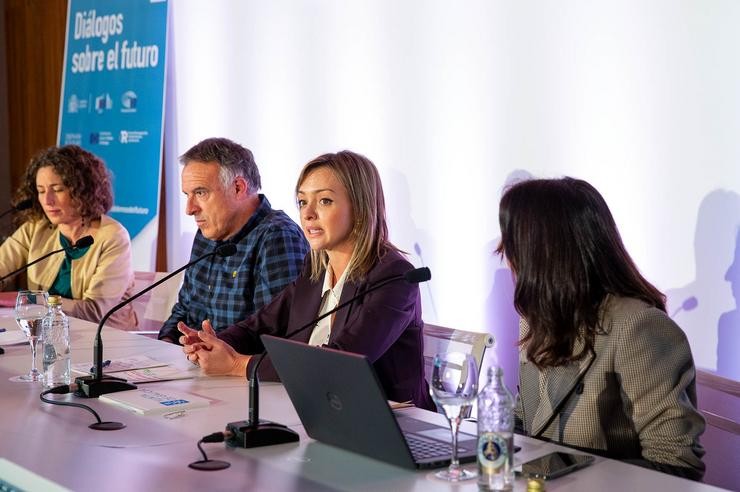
x,y
97,384
254,433
22,205
83,242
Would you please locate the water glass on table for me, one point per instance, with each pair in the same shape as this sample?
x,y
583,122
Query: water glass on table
x,y
454,388
30,308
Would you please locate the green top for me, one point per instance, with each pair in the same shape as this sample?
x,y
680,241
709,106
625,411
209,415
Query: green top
x,y
62,285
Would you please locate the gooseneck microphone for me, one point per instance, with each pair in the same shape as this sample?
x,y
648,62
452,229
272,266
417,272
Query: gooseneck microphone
x,y
255,433
96,384
22,205
83,242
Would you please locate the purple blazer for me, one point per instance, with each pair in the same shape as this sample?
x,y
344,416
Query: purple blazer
x,y
385,326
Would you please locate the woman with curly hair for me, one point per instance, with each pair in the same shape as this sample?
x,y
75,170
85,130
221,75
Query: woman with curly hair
x,y
71,193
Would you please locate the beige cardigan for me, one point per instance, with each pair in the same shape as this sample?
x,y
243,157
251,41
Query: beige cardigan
x,y
102,278
638,399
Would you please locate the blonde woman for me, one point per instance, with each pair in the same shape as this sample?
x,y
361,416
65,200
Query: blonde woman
x,y
342,209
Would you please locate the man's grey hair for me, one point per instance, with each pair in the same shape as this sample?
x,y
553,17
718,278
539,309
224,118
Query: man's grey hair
x,y
233,160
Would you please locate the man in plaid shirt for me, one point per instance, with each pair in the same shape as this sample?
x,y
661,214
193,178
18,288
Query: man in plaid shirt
x,y
221,182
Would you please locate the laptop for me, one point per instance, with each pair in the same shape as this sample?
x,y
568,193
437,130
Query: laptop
x,y
340,402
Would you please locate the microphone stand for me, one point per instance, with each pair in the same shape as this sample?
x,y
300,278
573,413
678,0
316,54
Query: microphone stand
x,y
23,205
81,243
97,384
254,432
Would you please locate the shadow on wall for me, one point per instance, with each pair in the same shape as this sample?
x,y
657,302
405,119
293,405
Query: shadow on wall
x,y
728,330
407,236
697,307
502,320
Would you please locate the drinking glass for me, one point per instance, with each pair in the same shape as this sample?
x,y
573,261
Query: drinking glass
x,y
30,309
454,387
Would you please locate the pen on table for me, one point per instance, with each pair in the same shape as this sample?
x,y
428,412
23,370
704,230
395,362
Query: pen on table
x,y
105,364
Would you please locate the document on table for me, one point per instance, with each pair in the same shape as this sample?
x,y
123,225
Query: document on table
x,y
397,405
124,364
160,373
141,369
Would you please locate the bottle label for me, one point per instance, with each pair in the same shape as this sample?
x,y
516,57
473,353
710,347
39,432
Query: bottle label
x,y
492,451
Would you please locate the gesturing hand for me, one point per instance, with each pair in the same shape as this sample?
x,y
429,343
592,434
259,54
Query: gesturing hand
x,y
214,356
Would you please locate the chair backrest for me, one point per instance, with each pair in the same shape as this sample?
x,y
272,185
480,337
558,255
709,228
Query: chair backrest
x,y
438,339
154,307
719,402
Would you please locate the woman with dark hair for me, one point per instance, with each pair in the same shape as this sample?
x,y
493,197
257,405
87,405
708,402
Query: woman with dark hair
x,y
71,193
342,209
602,367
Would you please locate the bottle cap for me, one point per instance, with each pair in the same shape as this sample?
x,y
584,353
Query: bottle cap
x,y
535,485
54,300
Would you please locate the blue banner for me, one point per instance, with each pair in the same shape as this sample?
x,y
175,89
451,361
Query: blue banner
x,y
113,97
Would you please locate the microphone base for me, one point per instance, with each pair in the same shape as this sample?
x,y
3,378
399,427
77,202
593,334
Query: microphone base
x,y
246,435
92,387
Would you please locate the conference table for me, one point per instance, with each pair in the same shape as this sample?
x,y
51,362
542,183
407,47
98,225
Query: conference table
x,y
43,442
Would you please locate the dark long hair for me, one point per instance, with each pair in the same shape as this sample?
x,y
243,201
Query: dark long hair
x,y
562,243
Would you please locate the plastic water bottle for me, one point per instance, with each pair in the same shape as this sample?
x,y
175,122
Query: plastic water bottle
x,y
55,339
495,434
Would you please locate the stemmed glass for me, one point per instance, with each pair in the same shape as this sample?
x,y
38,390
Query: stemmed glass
x,y
30,309
454,387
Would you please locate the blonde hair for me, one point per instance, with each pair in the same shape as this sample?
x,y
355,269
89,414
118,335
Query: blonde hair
x,y
361,179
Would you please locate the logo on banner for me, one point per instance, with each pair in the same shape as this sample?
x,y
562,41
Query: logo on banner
x,y
75,104
103,102
131,136
100,138
73,139
128,102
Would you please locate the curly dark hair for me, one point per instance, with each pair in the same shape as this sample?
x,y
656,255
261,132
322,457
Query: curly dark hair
x,y
83,173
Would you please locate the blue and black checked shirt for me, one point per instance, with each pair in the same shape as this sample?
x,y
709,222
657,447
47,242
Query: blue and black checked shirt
x,y
270,252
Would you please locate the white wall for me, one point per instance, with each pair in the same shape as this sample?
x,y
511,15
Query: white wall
x,y
452,99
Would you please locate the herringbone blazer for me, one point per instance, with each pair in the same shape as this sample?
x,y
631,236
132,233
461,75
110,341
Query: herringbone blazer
x,y
637,401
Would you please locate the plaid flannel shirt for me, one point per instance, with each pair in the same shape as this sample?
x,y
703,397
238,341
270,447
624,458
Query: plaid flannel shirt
x,y
271,249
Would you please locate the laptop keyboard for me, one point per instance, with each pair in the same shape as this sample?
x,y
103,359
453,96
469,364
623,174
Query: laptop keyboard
x,y
422,449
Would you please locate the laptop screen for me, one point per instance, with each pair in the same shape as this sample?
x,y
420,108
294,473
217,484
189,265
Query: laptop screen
x,y
339,399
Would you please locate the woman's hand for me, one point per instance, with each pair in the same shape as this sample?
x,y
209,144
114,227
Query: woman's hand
x,y
214,356
190,336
